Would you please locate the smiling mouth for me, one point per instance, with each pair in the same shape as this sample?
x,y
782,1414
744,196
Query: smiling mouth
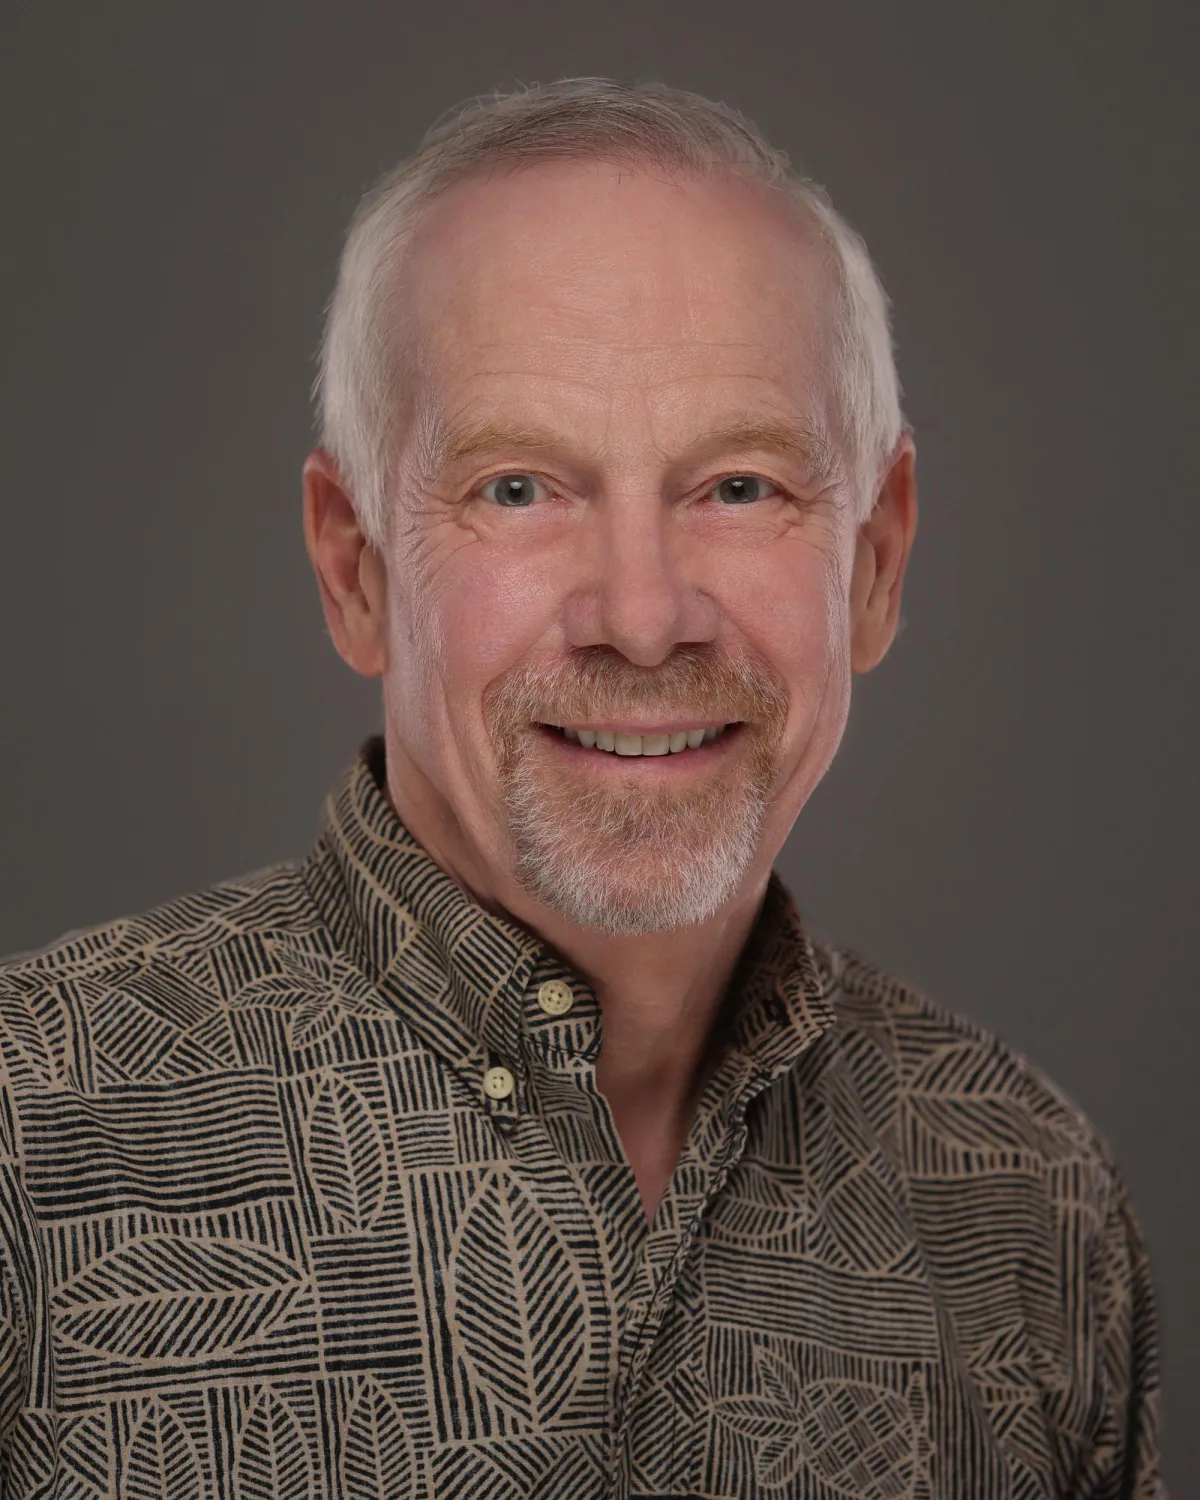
x,y
610,742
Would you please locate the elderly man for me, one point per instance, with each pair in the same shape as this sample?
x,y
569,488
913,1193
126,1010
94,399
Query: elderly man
x,y
519,1140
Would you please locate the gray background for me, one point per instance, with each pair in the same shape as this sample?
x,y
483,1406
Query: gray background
x,y
1012,820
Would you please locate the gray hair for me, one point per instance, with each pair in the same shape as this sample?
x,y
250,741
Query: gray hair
x,y
361,367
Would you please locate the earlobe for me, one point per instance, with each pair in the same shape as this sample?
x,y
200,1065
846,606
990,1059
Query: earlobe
x,y
350,576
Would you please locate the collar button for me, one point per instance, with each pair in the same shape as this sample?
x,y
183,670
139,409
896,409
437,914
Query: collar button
x,y
498,1083
555,997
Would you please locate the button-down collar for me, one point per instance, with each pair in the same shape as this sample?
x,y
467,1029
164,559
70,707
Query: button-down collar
x,y
468,980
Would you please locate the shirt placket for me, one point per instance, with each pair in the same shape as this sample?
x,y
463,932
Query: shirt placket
x,y
561,1040
714,1147
548,1047
767,1043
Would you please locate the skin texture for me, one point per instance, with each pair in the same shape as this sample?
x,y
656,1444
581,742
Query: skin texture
x,y
628,341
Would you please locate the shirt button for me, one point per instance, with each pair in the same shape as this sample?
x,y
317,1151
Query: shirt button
x,y
555,997
498,1083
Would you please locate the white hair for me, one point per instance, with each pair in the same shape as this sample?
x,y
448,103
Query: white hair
x,y
359,387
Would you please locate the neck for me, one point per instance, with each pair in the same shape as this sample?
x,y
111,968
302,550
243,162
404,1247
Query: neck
x,y
660,993
660,996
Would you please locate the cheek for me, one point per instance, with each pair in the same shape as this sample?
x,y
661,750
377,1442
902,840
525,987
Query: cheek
x,y
480,613
792,606
798,618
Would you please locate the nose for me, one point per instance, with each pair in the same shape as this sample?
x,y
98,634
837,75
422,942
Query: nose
x,y
640,595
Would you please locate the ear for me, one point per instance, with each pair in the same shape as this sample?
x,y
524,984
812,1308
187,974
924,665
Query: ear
x,y
350,573
881,551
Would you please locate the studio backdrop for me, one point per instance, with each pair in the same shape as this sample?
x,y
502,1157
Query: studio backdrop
x,y
1011,823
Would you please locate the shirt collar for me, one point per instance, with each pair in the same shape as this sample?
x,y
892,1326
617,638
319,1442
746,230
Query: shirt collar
x,y
467,979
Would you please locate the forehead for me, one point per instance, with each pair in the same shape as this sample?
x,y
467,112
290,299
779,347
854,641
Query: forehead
x,y
567,280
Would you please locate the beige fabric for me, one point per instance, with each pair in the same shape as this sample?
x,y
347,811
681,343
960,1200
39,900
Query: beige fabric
x,y
263,1232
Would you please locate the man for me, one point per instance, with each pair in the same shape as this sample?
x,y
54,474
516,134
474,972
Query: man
x,y
518,1140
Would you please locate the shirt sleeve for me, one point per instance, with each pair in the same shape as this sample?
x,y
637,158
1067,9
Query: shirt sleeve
x,y
1124,1460
14,1321
21,1281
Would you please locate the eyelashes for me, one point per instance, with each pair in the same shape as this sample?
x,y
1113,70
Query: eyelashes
x,y
517,489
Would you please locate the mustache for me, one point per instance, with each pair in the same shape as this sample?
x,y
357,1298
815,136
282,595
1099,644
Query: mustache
x,y
699,680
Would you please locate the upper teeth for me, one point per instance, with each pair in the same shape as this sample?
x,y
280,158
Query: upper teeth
x,y
644,744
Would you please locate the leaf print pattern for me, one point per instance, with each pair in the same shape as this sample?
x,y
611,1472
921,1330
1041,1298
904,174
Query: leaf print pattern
x,y
29,1470
24,1031
377,1455
346,1155
577,1472
159,1297
272,1461
262,1234
967,1100
864,1218
760,1209
315,1019
517,1301
161,1463
769,1417
87,1452
533,1468
857,1437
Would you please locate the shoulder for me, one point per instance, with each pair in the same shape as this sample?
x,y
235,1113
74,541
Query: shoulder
x,y
957,1100
1021,1211
150,995
251,903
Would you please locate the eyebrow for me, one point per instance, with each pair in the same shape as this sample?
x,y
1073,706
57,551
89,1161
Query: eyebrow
x,y
810,450
469,441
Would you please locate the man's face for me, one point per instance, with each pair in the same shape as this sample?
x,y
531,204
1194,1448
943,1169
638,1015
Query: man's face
x,y
621,525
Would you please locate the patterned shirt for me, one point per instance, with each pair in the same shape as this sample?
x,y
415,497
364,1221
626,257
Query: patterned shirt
x,y
265,1232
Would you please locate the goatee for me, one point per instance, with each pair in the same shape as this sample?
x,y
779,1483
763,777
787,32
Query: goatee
x,y
637,859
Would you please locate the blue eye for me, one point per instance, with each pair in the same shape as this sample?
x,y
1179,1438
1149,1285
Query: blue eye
x,y
511,489
741,489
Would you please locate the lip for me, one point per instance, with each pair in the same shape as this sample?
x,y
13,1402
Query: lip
x,y
610,726
604,762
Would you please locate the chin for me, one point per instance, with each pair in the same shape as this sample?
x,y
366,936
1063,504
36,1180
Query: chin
x,y
642,889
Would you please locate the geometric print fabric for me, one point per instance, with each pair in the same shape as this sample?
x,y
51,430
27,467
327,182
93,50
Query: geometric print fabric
x,y
263,1233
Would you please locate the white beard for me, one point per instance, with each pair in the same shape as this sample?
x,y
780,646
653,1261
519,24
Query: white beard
x,y
628,859
630,862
